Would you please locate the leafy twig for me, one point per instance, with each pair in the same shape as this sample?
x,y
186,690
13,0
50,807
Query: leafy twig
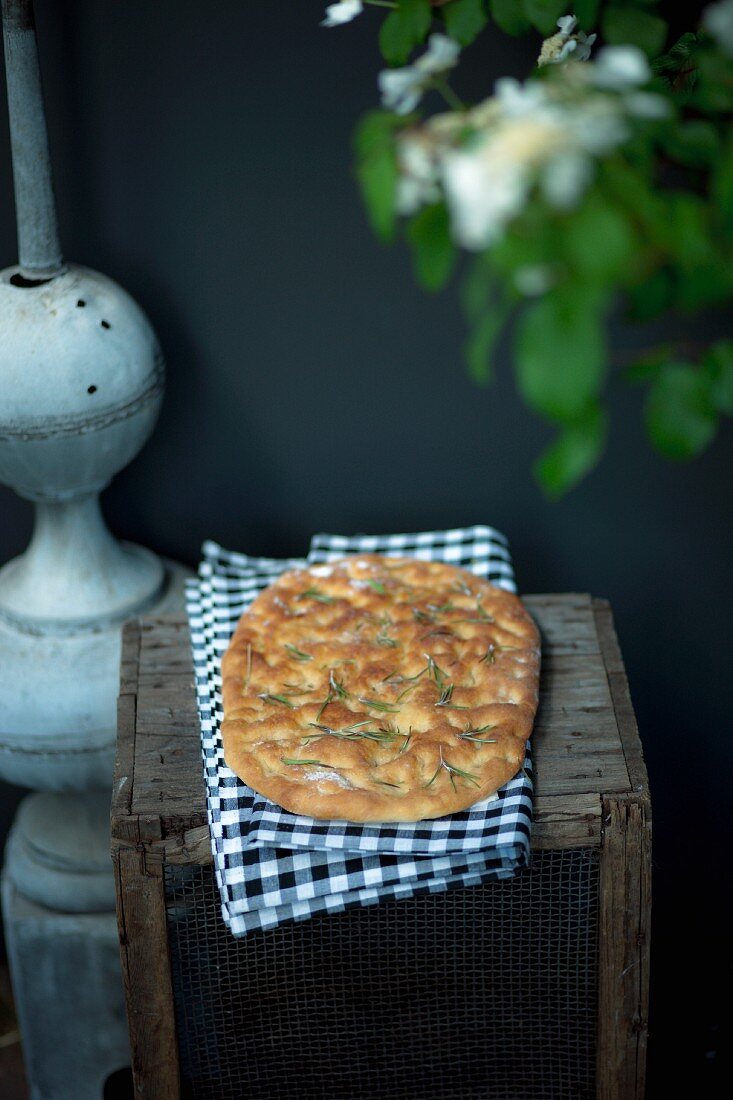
x,y
297,654
316,594
452,771
270,697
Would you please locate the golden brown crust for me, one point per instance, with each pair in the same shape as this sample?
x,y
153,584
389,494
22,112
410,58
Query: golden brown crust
x,y
407,688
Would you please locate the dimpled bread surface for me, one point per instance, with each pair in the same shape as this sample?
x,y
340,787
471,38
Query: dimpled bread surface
x,y
380,689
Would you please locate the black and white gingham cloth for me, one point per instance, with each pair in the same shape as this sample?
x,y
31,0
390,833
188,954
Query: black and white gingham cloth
x,y
272,865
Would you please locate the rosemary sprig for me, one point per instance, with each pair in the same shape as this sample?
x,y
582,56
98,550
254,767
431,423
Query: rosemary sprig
x,y
463,588
297,760
435,672
270,697
337,687
422,616
452,771
377,587
481,616
489,656
397,678
446,696
384,783
377,704
406,742
316,594
351,733
298,689
329,699
384,639
248,671
471,735
298,654
440,609
407,690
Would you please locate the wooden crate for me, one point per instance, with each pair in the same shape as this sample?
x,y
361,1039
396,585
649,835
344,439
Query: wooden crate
x,y
591,793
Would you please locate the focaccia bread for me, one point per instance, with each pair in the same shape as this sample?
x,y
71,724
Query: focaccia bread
x,y
380,689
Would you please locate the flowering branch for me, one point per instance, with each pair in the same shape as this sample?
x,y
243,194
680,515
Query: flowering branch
x,y
603,180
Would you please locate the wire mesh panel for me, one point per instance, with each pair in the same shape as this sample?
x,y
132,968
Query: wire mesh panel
x,y
482,992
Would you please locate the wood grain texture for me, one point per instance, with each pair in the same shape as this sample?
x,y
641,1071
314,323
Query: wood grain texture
x,y
624,927
619,688
146,975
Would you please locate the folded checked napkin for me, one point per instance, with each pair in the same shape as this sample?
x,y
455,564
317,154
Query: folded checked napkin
x,y
271,865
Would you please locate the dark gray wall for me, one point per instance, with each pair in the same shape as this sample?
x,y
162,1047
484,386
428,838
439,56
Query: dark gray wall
x,y
202,159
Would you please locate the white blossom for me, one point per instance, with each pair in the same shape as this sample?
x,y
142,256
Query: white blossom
x,y
565,178
517,100
718,22
567,24
646,105
342,12
402,89
543,135
482,195
533,280
442,54
417,185
566,43
619,68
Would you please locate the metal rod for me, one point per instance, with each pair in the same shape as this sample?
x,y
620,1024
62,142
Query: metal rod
x,y
39,249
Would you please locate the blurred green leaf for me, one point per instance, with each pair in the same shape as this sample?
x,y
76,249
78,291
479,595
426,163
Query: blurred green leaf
x,y
509,16
586,12
535,237
694,143
464,19
712,91
722,187
433,252
403,29
574,453
477,287
708,285
718,365
375,131
651,297
376,168
689,230
481,342
560,352
637,194
544,14
648,365
624,25
680,417
599,240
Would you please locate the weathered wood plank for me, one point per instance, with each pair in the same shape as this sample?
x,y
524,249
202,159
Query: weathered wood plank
x,y
146,976
625,913
570,821
130,657
121,805
620,695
